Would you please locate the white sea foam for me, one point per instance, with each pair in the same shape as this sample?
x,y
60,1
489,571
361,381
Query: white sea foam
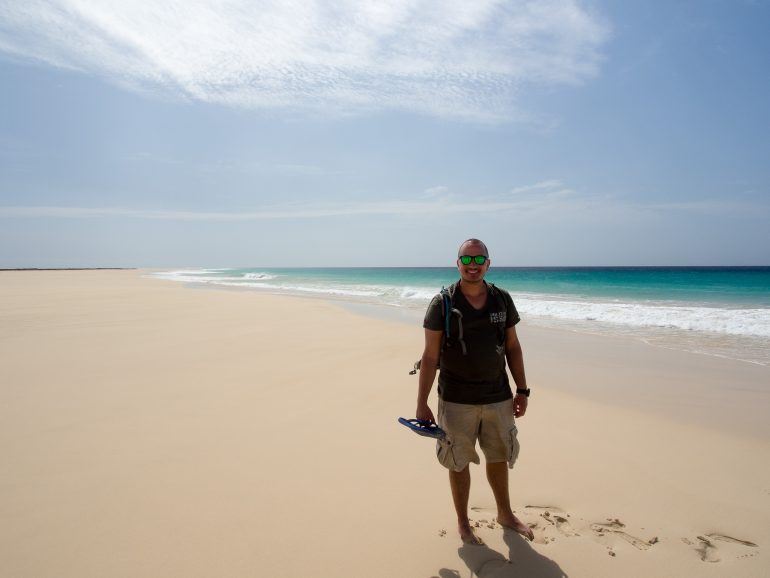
x,y
731,321
259,276
320,290
187,273
416,293
183,276
258,281
209,276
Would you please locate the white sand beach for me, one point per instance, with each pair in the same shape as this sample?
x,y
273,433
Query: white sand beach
x,y
153,430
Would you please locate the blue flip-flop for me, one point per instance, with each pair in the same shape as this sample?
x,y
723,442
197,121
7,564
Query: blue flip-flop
x,y
423,427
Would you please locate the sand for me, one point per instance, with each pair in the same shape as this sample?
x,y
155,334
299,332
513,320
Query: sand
x,y
150,429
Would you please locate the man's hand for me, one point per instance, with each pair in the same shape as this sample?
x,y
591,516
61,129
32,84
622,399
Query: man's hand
x,y
520,405
424,413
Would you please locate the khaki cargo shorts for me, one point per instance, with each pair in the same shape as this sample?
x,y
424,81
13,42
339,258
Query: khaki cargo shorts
x,y
492,424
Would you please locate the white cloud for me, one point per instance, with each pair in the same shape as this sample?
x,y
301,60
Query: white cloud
x,y
541,186
709,206
438,203
304,211
439,191
451,58
556,203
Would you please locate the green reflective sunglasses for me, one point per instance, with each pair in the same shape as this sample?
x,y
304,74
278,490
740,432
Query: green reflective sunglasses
x,y
478,259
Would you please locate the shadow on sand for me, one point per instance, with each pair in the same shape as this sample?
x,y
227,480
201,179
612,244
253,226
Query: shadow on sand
x,y
522,561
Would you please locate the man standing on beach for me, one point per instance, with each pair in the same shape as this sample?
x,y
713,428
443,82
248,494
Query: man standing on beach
x,y
475,397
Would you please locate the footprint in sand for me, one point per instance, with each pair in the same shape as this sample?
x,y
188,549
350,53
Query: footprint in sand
x,y
709,552
556,509
561,523
613,527
552,516
492,524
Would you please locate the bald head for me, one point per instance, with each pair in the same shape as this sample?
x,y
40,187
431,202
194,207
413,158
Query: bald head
x,y
472,243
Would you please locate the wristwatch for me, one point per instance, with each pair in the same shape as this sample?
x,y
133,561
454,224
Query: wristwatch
x,y
524,392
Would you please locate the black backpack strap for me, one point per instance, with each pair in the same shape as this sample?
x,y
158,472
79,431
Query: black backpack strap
x,y
446,294
448,309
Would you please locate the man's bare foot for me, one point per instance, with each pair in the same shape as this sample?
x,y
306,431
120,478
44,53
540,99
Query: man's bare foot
x,y
468,536
513,523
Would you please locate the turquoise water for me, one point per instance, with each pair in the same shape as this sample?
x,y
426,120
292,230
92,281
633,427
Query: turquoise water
x,y
716,310
704,285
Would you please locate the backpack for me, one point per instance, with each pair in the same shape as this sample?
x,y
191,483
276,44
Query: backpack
x,y
448,309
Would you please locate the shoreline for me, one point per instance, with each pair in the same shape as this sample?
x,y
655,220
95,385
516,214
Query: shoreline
x,y
152,430
669,394
672,324
413,316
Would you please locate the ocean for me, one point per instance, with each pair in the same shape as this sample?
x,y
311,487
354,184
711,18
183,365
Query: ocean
x,y
722,311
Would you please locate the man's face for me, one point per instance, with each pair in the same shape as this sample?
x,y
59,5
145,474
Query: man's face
x,y
473,272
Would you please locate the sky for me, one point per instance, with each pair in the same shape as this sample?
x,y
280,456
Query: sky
x,y
242,133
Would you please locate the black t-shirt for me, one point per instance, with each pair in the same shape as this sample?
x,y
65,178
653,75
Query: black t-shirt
x,y
479,376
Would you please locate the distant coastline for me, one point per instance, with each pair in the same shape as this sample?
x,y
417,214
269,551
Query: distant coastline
x,y
70,269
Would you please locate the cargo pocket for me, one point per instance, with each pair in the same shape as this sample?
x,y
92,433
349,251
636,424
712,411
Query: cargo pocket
x,y
513,446
445,453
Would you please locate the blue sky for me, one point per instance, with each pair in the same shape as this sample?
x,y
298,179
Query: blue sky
x,y
202,133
